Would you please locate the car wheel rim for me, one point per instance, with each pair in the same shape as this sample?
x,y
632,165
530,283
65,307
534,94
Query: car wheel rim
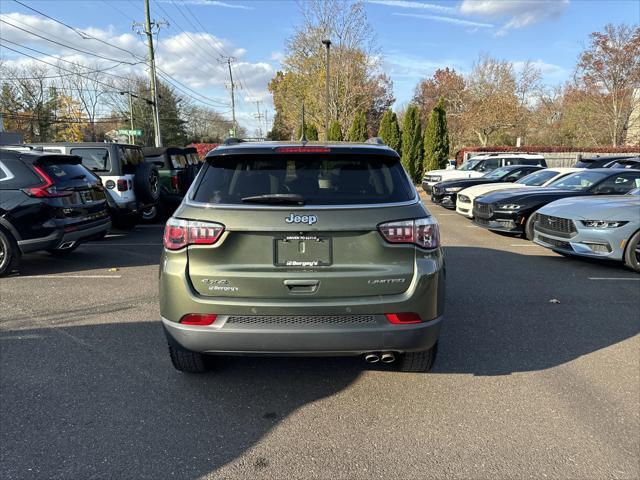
x,y
149,213
154,183
3,253
637,250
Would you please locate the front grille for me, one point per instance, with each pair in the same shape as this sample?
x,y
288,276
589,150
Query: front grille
x,y
557,226
483,209
481,221
276,320
463,198
555,243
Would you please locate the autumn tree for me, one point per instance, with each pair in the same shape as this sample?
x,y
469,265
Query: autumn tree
x,y
436,138
335,131
609,69
390,130
412,158
358,129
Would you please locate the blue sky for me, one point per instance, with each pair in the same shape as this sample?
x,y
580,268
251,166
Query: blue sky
x,y
416,37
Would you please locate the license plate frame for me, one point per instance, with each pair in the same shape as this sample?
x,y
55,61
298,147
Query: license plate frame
x,y
303,251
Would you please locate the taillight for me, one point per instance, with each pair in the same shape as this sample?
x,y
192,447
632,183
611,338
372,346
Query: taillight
x,y
400,318
180,233
303,150
174,182
122,185
423,232
198,319
46,189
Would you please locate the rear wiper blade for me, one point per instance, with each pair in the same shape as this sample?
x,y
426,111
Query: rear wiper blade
x,y
78,177
284,198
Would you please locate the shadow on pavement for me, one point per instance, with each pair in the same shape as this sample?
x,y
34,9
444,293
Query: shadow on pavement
x,y
499,318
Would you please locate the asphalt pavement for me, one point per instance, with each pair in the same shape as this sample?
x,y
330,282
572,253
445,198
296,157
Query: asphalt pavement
x,y
537,376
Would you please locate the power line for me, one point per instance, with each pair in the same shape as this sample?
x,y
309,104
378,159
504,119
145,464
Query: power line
x,y
177,6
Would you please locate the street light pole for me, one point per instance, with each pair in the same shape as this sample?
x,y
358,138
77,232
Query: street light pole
x,y
327,43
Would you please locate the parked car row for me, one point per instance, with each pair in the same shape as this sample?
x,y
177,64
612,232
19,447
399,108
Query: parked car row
x,y
593,212
55,196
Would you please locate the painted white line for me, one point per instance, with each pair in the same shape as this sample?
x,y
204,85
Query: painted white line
x,y
446,214
473,226
616,279
70,276
524,245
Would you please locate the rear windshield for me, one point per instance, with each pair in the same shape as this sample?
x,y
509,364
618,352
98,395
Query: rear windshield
x,y
95,159
318,179
66,173
536,179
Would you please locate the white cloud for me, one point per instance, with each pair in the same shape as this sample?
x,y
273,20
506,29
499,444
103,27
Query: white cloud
x,y
452,20
549,70
414,5
211,3
517,13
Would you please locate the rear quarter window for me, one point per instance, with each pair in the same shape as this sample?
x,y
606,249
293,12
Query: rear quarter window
x,y
95,159
319,179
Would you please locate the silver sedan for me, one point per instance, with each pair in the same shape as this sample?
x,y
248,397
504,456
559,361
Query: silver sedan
x,y
599,226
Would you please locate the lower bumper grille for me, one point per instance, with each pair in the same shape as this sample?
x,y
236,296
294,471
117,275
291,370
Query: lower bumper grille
x,y
275,320
555,243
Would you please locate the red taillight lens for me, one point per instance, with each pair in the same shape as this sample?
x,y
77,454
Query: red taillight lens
x,y
122,185
303,150
174,182
198,319
400,318
180,233
423,232
47,188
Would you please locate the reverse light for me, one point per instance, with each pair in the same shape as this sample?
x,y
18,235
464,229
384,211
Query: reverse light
x,y
602,223
403,318
180,233
198,319
303,149
423,232
46,189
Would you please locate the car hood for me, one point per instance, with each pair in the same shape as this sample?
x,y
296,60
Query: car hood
x,y
455,174
466,182
529,194
609,207
483,189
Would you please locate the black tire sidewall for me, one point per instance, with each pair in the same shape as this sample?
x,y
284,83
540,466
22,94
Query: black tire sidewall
x,y
11,253
629,253
528,227
142,183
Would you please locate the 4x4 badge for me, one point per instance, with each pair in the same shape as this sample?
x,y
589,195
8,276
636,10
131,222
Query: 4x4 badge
x,y
308,219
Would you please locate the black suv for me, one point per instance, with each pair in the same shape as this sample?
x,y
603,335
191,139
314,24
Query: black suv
x,y
47,202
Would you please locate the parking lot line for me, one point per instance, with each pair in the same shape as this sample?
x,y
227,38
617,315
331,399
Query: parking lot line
x,y
70,276
524,245
628,279
446,214
472,226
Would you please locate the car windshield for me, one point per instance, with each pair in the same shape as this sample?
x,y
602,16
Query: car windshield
x,y
498,173
536,179
469,165
579,181
304,179
635,191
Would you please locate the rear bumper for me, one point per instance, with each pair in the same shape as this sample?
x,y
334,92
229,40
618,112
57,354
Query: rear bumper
x,y
222,338
58,237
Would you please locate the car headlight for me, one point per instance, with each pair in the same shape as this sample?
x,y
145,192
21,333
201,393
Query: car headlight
x,y
452,189
602,223
509,206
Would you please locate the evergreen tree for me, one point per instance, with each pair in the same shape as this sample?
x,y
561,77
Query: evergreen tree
x,y
335,131
436,138
310,132
412,158
390,130
358,130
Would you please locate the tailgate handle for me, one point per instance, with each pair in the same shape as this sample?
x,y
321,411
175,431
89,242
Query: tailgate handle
x,y
302,286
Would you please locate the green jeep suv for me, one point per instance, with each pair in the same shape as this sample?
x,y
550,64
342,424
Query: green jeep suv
x,y
302,249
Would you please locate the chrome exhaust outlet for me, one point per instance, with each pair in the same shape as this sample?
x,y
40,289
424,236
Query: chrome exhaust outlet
x,y
371,358
66,245
388,357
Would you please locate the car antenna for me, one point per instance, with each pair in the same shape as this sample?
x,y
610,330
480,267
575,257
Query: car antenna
x,y
303,136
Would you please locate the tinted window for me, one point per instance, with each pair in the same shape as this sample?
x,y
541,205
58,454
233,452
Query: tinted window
x,y
498,173
618,184
579,181
536,179
65,174
627,164
319,179
157,160
95,159
178,161
469,165
4,172
518,174
489,165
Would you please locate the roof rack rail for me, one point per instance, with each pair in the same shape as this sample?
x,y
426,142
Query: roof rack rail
x,y
232,141
375,141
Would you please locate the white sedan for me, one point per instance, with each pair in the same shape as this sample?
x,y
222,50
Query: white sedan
x,y
541,178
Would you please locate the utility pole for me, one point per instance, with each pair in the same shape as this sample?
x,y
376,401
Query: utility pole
x,y
233,97
132,139
148,25
259,116
326,43
266,122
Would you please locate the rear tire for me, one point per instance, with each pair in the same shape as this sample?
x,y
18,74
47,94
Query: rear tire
x,y
528,227
632,252
418,361
146,183
187,361
9,253
154,214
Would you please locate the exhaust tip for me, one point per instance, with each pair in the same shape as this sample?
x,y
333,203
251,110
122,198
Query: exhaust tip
x,y
372,358
388,357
